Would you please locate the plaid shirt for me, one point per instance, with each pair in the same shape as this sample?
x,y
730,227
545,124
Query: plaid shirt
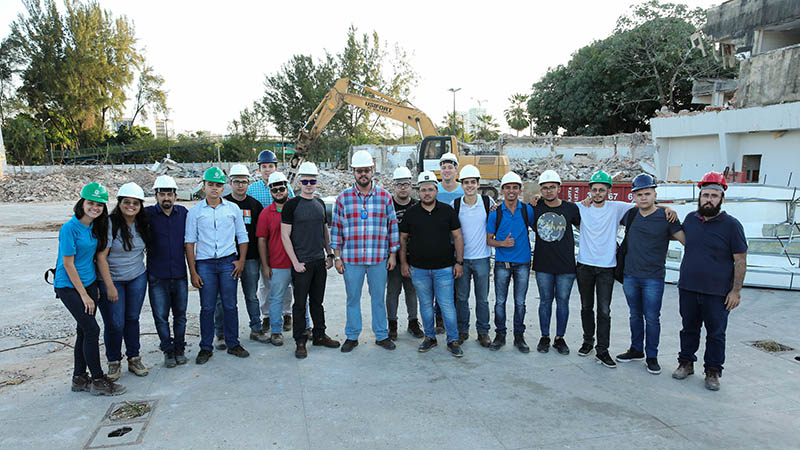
x,y
260,191
365,240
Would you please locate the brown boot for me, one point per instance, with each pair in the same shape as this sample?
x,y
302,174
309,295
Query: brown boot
x,y
685,368
104,386
440,325
301,351
712,379
326,341
415,329
393,330
81,383
484,340
462,337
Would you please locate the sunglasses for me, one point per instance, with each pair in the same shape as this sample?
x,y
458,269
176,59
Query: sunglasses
x,y
275,190
307,182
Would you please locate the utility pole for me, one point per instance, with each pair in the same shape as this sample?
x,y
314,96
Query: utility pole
x,y
2,154
454,90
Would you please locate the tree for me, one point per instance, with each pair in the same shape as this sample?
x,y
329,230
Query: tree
x,y
487,128
24,139
150,94
129,134
517,114
446,128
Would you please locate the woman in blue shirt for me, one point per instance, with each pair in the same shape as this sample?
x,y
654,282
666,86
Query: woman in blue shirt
x,y
75,284
121,264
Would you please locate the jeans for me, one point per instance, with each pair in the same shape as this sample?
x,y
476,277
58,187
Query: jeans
x,y
376,282
87,345
165,295
644,301
437,283
601,279
309,285
121,318
701,309
264,296
521,273
217,280
394,282
478,271
558,286
249,277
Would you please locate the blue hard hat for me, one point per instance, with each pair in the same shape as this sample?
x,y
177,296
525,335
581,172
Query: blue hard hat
x,y
267,157
642,181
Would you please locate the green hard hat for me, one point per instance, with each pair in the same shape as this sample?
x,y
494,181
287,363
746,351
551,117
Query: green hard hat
x,y
95,192
601,177
214,174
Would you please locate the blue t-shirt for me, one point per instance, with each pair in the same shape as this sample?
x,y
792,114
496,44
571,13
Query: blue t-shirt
x,y
76,239
648,241
707,265
514,224
448,197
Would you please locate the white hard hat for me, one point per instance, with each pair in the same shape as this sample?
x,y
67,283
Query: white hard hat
x,y
510,177
239,169
427,177
276,177
549,176
361,158
165,182
308,168
469,171
131,190
401,173
449,157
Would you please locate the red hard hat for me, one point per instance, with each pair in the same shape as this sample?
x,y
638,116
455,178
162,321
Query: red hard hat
x,y
713,178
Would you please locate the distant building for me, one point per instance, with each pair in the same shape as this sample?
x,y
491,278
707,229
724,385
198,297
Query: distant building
x,y
118,122
163,127
471,118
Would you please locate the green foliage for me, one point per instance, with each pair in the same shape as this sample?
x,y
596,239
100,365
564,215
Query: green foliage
x,y
150,94
517,114
24,140
487,129
446,127
127,135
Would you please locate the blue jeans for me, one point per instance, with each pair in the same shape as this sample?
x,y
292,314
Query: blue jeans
x,y
644,301
376,282
697,310
249,277
278,287
478,270
558,286
121,318
521,273
165,295
217,280
430,283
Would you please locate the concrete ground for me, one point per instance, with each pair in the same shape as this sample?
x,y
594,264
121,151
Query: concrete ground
x,y
373,398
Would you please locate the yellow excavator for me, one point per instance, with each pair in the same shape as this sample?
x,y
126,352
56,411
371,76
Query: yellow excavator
x,y
433,146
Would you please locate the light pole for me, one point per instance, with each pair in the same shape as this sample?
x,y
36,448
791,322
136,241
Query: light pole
x,y
454,90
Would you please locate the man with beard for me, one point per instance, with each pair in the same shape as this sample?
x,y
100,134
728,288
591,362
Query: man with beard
x,y
365,240
711,278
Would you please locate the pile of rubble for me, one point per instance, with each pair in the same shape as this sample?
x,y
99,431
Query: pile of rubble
x,y
66,183
581,168
333,182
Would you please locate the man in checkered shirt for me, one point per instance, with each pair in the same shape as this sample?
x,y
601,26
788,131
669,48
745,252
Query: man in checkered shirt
x,y
365,239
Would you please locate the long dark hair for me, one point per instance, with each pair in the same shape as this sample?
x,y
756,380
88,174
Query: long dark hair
x,y
118,224
99,224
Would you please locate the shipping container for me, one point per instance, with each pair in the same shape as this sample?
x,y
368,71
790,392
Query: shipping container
x,y
575,191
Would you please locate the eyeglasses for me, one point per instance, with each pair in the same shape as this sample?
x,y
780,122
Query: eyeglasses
x,y
240,182
130,202
364,170
403,185
278,189
307,182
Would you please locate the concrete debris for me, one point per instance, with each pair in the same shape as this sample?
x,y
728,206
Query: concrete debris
x,y
333,182
581,167
173,169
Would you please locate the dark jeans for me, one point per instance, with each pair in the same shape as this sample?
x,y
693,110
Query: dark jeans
x,y
600,279
87,345
217,280
701,309
394,282
644,297
309,285
521,273
556,286
249,279
165,295
121,318
478,271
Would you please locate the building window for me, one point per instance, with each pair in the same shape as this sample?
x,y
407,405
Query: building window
x,y
751,166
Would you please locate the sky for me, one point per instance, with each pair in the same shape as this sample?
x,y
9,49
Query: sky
x,y
214,55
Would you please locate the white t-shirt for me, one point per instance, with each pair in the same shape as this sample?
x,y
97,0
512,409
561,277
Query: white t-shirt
x,y
598,234
473,228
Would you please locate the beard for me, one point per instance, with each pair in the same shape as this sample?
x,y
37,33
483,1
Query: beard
x,y
280,201
707,209
428,203
363,183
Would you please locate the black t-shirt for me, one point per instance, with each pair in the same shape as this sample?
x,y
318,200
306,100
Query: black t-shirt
x,y
251,209
309,222
555,242
648,240
400,210
429,245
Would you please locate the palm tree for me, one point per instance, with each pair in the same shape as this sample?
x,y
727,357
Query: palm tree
x,y
487,128
517,114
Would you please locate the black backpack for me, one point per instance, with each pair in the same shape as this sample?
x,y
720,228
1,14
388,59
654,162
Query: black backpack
x,y
499,216
457,204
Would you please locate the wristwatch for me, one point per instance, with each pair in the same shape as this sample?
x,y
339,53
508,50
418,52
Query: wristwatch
x,y
337,258
330,255
460,263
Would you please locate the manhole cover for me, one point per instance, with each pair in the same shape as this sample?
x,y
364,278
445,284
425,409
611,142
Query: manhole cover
x,y
770,346
124,423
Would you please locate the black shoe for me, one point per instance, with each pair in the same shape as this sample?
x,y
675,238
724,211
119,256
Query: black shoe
x,y
440,325
301,351
220,345
484,340
169,359
585,349
180,357
393,330
414,329
387,344
519,342
287,322
455,349
499,341
544,344
605,359
203,356
81,383
238,351
427,344
349,345
462,337
325,341
652,366
630,355
561,346
265,323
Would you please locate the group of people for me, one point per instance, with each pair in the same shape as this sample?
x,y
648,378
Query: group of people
x,y
435,250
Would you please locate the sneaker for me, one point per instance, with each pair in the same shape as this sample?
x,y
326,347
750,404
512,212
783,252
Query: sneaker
x,y
499,341
415,329
265,323
630,355
287,322
276,339
585,349
712,379
605,359
462,337
220,345
427,344
326,341
114,370
544,344
455,349
104,386
259,336
203,356
685,368
169,359
180,357
135,365
393,330
519,342
387,344
561,346
238,351
81,383
483,339
301,351
440,325
349,345
652,366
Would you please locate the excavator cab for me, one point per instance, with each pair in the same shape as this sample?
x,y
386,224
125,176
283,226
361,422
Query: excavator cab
x,y
431,149
492,166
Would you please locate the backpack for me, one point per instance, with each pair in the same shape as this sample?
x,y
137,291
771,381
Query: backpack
x,y
457,204
499,216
